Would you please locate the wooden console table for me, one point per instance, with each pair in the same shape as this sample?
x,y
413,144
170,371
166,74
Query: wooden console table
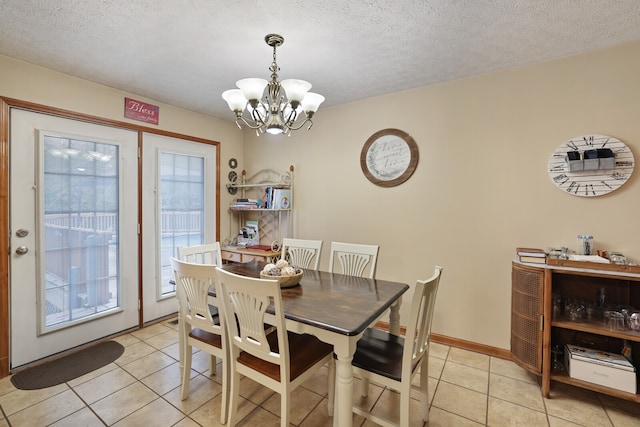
x,y
535,331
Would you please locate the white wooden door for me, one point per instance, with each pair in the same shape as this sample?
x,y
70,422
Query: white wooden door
x,y
74,239
178,209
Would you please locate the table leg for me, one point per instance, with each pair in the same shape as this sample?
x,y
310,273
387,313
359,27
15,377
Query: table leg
x,y
343,415
394,317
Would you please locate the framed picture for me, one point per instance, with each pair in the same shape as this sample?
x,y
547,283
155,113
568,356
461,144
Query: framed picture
x,y
389,157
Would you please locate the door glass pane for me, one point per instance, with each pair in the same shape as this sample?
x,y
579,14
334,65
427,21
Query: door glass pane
x,y
80,204
181,207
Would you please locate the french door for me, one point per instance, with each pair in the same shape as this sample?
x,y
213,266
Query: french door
x,y
178,209
74,233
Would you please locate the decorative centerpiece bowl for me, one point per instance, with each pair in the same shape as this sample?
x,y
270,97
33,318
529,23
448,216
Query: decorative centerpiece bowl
x,y
285,281
286,275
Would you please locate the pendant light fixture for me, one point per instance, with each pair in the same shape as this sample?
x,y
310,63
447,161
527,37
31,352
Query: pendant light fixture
x,y
272,106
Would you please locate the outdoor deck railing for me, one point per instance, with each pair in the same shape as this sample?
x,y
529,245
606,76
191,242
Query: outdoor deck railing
x,y
171,221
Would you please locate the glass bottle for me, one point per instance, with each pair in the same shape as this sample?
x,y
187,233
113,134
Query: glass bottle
x,y
585,244
601,297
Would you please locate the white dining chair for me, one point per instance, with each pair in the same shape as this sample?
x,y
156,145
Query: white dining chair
x,y
197,326
208,253
354,259
277,359
392,361
302,253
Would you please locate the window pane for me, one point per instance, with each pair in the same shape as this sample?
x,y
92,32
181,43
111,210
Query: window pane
x,y
81,217
182,208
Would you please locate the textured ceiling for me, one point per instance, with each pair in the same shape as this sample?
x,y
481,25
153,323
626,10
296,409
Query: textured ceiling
x,y
186,52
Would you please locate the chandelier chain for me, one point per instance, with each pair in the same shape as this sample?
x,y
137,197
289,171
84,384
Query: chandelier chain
x,y
274,66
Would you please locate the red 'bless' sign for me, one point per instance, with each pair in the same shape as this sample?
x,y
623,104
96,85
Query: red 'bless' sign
x,y
138,110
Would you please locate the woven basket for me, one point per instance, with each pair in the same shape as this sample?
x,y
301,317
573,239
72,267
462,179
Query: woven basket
x,y
285,281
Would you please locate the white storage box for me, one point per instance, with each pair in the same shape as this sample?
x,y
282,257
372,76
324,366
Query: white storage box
x,y
602,368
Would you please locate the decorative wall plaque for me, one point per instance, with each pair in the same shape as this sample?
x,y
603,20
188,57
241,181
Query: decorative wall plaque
x,y
389,157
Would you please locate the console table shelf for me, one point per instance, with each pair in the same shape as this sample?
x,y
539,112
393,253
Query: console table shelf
x,y
563,377
595,327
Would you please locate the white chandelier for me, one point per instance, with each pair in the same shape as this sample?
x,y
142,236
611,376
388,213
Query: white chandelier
x,y
273,111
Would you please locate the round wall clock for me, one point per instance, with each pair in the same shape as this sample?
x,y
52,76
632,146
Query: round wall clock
x,y
591,165
389,157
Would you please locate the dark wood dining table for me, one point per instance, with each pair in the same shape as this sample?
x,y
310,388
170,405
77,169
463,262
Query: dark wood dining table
x,y
337,309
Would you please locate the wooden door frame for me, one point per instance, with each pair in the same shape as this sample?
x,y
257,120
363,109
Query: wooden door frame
x,y
5,105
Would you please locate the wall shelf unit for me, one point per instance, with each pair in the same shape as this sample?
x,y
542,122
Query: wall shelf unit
x,y
274,191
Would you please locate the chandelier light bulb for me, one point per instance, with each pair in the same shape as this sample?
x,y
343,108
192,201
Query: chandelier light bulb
x,y
274,129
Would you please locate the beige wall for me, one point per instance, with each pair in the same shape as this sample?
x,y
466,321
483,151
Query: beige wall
x,y
481,187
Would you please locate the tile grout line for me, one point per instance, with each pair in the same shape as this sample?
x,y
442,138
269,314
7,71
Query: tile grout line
x,y
6,418
86,406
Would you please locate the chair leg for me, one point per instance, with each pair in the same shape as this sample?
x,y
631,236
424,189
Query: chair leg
x,y
424,389
186,371
224,406
364,387
285,405
405,398
234,395
331,382
181,341
213,361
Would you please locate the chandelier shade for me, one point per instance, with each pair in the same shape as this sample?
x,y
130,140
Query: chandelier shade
x,y
273,106
235,99
312,101
295,89
252,88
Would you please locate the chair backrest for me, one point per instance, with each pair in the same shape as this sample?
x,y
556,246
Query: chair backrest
x,y
247,299
354,258
208,253
193,282
418,330
302,253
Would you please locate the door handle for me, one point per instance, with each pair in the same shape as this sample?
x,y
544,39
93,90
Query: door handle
x,y
21,250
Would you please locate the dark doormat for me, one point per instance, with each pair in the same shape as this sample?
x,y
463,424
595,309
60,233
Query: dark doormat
x,y
69,367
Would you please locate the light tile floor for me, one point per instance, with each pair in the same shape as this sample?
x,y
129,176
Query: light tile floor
x,y
142,388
